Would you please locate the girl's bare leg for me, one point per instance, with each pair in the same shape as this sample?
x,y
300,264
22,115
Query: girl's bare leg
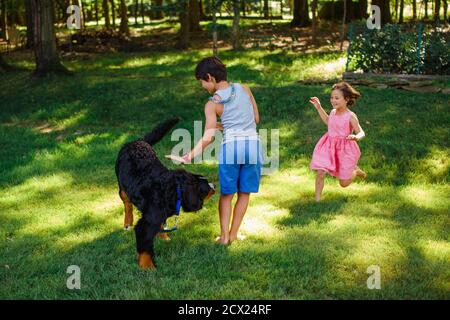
x,y
240,208
320,177
224,216
356,173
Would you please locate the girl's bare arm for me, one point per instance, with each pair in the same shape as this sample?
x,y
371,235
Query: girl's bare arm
x,y
357,128
322,113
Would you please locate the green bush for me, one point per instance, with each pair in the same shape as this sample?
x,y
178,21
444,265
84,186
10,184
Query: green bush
x,y
394,49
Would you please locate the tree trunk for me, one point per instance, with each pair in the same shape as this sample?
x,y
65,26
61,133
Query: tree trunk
x,y
445,10
344,16
184,25
124,18
29,19
46,53
214,21
194,15
426,9
236,20
314,20
396,9
158,14
402,5
142,11
301,17
136,6
96,11
106,14
437,8
363,8
385,10
113,13
3,65
3,20
266,9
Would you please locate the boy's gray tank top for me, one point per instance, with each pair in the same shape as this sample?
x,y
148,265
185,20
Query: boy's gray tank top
x,y
238,118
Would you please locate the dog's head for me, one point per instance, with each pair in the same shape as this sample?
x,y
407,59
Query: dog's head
x,y
195,191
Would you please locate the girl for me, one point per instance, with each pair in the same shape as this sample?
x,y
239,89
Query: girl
x,y
337,152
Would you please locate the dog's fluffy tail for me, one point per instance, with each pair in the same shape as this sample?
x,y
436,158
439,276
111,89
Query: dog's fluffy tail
x,y
160,131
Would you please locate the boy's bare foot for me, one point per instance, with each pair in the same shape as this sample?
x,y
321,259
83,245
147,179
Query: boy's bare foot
x,y
221,241
239,237
360,173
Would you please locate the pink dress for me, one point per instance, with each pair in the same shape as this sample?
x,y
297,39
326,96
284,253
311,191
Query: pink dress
x,y
333,152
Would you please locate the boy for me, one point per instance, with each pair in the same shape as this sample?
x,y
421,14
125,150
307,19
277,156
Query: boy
x,y
240,159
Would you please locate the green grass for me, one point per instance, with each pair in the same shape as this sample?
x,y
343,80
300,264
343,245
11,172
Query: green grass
x,y
59,204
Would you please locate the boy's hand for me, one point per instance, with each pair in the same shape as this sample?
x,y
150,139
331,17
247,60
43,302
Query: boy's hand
x,y
315,101
176,159
219,126
352,137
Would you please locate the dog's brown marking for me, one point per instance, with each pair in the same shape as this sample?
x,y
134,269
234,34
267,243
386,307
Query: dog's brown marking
x,y
163,235
128,220
210,194
146,261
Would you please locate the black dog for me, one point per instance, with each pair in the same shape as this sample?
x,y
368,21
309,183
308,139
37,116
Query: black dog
x,y
155,190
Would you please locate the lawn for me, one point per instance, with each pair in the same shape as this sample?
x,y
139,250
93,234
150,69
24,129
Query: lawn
x,y
59,204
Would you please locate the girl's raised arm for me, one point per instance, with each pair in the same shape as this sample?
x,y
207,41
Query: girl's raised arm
x,y
357,128
322,113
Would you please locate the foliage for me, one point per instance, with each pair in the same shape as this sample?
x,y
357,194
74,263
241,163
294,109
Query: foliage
x,y
394,49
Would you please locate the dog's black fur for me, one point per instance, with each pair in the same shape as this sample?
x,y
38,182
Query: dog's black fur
x,y
146,183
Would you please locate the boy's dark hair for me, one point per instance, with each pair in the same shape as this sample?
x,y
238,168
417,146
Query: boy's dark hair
x,y
213,66
350,94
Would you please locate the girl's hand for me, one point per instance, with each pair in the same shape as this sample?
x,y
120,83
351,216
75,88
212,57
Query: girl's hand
x,y
352,137
315,101
219,126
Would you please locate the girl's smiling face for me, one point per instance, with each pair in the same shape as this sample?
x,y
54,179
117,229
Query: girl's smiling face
x,y
337,99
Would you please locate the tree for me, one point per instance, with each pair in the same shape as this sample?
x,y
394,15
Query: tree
x,y
46,54
437,8
445,10
158,14
96,10
363,8
184,25
106,14
344,16
113,12
301,17
314,20
414,7
236,21
124,19
385,10
402,5
3,20
426,9
3,65
194,15
266,9
29,21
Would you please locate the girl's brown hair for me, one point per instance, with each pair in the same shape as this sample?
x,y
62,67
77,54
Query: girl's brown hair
x,y
350,94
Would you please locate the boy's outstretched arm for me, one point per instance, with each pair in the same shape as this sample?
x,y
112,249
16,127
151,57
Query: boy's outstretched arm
x,y
255,106
208,135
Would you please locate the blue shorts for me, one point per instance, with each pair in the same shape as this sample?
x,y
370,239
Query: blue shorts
x,y
240,166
